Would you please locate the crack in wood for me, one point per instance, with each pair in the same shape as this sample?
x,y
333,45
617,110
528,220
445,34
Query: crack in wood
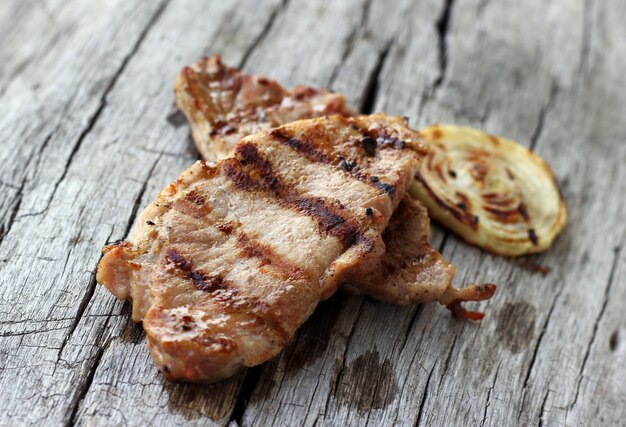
x,y
596,324
6,228
339,372
420,412
414,319
102,104
540,338
493,385
31,332
446,362
91,288
543,112
542,410
175,155
84,388
351,39
44,145
444,241
251,379
442,26
33,321
373,82
587,38
282,6
533,359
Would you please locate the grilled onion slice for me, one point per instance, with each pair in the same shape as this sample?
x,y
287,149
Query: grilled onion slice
x,y
491,191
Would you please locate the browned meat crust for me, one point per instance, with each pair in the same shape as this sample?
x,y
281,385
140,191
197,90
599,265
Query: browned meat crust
x,y
411,271
224,104
233,257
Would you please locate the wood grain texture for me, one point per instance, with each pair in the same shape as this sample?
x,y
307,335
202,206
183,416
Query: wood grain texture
x,y
90,134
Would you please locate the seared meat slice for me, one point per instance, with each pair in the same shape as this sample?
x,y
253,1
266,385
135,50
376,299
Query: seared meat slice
x,y
411,271
233,257
224,104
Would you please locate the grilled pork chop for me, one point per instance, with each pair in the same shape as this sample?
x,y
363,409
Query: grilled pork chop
x,y
411,271
224,105
233,257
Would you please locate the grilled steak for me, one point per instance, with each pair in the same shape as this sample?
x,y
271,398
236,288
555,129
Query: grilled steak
x,y
223,104
411,271
233,257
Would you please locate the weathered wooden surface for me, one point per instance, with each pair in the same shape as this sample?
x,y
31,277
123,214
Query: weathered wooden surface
x,y
89,134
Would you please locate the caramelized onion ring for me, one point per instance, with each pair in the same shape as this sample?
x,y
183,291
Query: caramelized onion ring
x,y
491,191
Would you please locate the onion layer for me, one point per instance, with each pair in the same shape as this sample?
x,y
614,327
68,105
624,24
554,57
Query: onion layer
x,y
491,191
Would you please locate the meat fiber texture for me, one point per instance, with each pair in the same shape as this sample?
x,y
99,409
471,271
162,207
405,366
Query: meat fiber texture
x,y
234,256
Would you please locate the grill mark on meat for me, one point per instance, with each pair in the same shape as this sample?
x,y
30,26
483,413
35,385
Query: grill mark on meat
x,y
249,171
252,248
308,151
268,257
225,227
384,187
313,154
196,197
223,293
193,204
203,281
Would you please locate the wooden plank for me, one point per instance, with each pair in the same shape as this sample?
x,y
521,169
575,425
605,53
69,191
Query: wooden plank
x,y
294,388
46,251
93,135
125,370
126,387
477,63
57,335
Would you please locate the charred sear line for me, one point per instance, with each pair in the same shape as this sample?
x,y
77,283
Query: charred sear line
x,y
203,281
308,151
225,227
350,166
329,220
193,204
385,188
460,211
267,257
249,171
196,197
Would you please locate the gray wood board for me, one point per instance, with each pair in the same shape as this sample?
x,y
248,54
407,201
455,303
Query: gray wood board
x,y
90,134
